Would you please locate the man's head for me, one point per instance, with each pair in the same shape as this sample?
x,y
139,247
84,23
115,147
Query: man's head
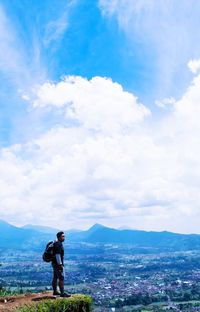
x,y
60,236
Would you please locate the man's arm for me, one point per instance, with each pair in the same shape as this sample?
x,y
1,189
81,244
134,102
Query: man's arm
x,y
58,258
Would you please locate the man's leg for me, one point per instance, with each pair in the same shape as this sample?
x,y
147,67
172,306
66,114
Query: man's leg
x,y
54,282
61,278
61,285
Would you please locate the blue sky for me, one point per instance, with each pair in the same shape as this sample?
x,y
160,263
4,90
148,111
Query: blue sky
x,y
99,113
50,39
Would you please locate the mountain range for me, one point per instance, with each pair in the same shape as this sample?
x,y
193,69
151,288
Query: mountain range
x,y
34,237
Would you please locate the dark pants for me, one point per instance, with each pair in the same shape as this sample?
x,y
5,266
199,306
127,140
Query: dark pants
x,y
58,275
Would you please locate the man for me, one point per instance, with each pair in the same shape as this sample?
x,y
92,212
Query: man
x,y
58,266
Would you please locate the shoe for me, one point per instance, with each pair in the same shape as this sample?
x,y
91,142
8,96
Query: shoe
x,y
65,295
56,293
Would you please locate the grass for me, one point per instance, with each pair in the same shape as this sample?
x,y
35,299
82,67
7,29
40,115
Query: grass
x,y
77,303
8,292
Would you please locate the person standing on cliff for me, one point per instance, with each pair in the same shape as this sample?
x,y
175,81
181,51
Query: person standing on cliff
x,y
58,266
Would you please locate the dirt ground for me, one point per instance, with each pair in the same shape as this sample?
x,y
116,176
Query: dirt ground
x,y
9,303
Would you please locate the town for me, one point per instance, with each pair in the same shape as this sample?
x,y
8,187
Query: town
x,y
118,277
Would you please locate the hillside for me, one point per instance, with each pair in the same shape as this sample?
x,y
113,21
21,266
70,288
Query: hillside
x,y
34,237
13,237
102,234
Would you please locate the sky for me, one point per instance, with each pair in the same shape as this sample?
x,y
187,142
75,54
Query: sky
x,y
99,113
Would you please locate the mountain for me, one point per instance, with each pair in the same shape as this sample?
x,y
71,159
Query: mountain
x,y
13,237
34,237
102,234
40,228
84,236
96,227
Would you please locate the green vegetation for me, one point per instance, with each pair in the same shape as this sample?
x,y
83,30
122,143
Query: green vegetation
x,y
77,303
140,299
7,292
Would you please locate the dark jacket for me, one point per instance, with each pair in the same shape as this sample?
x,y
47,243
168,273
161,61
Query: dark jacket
x,y
58,252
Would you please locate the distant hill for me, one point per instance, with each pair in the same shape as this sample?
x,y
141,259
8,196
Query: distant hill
x,y
86,236
13,237
102,234
34,237
40,228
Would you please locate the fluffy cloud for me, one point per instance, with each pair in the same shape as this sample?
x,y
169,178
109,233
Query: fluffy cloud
x,y
98,104
110,161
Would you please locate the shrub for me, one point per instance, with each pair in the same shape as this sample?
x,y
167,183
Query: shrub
x,y
77,303
8,292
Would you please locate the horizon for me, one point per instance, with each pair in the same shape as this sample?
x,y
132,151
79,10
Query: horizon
x,y
99,117
122,228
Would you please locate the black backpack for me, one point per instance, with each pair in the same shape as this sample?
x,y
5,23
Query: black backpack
x,y
48,254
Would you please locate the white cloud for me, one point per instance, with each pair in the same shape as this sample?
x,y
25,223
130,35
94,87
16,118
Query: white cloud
x,y
98,104
165,102
141,172
55,29
107,158
22,55
121,7
166,35
194,65
10,59
21,66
